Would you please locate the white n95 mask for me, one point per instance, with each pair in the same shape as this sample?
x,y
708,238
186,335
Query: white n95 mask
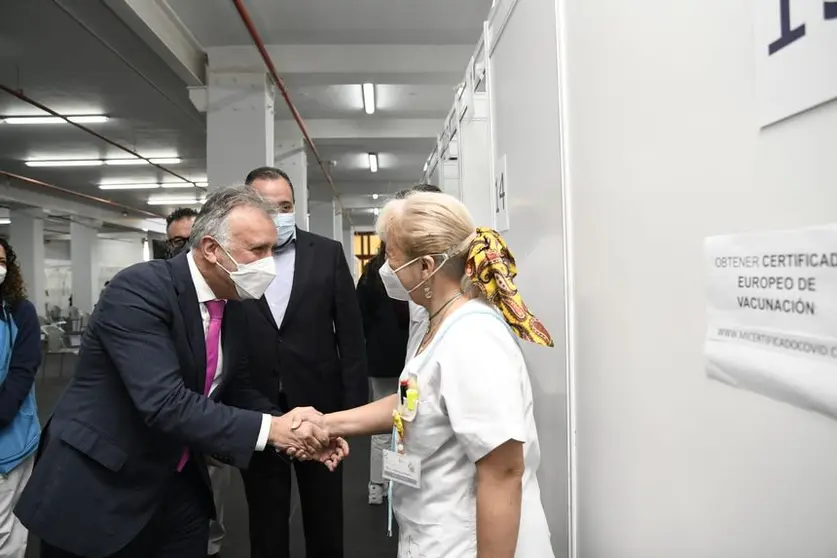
x,y
285,227
251,280
392,283
3,272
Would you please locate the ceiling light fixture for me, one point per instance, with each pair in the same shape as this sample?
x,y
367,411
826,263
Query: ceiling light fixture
x,y
66,163
373,162
79,119
130,186
369,97
5,221
375,196
176,201
426,164
137,161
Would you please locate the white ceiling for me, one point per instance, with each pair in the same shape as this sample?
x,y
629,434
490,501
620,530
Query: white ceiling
x,y
98,59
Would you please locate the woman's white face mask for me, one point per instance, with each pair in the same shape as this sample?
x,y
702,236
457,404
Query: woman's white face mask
x,y
3,272
393,285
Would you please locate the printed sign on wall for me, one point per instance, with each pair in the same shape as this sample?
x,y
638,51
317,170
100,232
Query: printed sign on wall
x,y
796,56
772,315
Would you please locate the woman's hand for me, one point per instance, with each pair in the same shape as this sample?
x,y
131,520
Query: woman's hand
x,y
330,456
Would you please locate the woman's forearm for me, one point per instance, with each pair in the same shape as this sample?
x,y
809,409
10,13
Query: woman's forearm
x,y
370,419
499,495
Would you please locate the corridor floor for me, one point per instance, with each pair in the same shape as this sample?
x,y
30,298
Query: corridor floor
x,y
365,525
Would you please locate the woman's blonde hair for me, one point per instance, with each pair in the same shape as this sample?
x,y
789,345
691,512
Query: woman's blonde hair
x,y
431,224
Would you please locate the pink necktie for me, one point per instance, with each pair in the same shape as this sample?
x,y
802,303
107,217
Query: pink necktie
x,y
213,343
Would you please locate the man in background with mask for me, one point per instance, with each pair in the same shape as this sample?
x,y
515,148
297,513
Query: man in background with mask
x,y
121,467
306,347
179,229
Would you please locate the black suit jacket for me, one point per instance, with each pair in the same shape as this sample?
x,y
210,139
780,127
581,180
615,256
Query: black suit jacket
x,y
317,355
110,449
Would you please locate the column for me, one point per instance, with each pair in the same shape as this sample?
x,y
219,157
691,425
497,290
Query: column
x,y
321,218
291,156
84,252
338,221
239,127
349,249
26,235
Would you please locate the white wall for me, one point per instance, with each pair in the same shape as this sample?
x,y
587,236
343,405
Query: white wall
x,y
664,149
525,129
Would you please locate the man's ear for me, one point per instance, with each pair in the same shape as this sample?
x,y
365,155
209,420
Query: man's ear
x,y
209,249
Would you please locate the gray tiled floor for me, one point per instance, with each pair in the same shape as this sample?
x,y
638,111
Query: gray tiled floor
x,y
365,526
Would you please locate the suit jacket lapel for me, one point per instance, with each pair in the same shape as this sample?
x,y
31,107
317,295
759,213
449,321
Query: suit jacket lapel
x,y
264,308
187,299
303,262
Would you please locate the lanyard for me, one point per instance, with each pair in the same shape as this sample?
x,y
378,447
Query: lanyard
x,y
389,488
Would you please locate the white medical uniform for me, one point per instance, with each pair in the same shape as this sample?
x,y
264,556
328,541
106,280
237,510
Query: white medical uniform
x,y
474,395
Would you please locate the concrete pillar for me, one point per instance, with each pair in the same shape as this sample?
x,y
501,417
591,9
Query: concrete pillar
x,y
291,157
26,235
321,218
84,256
349,249
337,231
239,125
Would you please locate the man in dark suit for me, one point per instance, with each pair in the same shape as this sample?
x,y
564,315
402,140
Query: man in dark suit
x,y
306,347
121,470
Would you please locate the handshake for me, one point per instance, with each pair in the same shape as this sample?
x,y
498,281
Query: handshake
x,y
303,434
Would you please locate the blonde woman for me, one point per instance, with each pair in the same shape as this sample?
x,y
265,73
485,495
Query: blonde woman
x,y
466,451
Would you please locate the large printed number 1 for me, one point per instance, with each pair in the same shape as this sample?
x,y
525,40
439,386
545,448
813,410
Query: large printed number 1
x,y
788,35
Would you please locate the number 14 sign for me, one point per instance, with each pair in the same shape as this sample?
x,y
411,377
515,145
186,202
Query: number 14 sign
x,y
796,56
501,196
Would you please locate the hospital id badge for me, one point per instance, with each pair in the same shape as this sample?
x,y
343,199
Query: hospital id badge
x,y
401,468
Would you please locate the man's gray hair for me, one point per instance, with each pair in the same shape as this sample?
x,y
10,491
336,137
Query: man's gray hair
x,y
212,219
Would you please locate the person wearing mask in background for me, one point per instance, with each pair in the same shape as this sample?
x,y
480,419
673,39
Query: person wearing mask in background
x,y
386,324
179,229
162,380
306,347
20,358
464,419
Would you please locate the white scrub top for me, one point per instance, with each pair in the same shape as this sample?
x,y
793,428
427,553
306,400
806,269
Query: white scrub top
x,y
474,395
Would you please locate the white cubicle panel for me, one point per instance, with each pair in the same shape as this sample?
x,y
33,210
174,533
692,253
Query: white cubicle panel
x,y
473,132
524,122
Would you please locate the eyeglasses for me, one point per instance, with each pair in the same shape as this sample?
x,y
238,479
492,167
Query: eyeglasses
x,y
177,242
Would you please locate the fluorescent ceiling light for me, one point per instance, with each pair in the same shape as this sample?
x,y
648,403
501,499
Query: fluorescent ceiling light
x,y
374,196
176,201
373,162
130,186
5,221
369,97
137,161
66,163
80,119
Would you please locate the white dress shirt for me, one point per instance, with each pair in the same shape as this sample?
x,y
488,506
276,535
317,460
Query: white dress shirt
x,y
278,293
205,294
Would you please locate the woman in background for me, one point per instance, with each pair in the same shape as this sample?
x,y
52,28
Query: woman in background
x,y
20,358
386,323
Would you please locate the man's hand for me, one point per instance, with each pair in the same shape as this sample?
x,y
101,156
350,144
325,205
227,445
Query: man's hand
x,y
307,436
330,456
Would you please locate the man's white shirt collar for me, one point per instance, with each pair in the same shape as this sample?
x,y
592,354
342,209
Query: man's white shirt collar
x,y
202,288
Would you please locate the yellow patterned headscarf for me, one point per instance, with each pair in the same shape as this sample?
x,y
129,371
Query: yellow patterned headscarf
x,y
491,267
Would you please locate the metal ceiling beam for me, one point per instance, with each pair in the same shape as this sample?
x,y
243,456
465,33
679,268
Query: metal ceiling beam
x,y
354,60
19,193
161,29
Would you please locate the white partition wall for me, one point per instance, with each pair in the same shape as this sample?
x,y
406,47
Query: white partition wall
x,y
665,149
522,83
472,134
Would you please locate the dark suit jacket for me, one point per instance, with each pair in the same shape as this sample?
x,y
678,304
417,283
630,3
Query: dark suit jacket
x,y
386,324
317,355
110,449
